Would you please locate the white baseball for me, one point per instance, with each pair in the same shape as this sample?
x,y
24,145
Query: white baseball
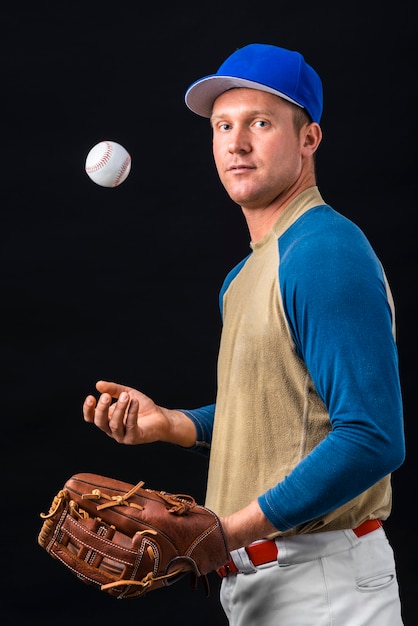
x,y
108,164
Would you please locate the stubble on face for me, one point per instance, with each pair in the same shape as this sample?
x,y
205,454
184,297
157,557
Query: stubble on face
x,y
255,146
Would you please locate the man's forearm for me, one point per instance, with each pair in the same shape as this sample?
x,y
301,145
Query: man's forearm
x,y
245,526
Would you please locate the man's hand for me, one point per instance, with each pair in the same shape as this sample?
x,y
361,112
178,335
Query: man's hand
x,y
134,418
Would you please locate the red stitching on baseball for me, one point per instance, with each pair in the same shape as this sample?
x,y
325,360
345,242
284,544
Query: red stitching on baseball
x,y
122,170
105,159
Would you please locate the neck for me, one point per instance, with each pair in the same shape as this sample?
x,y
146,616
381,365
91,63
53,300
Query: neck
x,y
261,219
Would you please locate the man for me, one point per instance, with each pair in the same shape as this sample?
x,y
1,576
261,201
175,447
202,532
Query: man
x,y
307,426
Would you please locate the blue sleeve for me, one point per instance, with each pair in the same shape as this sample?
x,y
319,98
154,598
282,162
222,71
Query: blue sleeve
x,y
203,421
339,316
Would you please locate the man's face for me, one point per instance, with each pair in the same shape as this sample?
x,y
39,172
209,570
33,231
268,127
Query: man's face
x,y
256,148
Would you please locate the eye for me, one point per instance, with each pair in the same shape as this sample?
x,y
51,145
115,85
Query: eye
x,y
261,123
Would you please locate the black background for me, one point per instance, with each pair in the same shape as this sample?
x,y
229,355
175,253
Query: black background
x,y
122,284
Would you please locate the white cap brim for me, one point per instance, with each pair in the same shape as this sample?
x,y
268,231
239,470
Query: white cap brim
x,y
202,94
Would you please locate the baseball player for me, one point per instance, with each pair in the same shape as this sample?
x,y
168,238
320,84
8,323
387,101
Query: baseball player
x,y
307,424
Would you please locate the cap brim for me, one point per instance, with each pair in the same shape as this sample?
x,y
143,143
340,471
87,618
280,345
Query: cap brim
x,y
201,95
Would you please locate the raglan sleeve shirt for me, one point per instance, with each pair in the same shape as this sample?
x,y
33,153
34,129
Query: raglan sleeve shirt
x,y
340,316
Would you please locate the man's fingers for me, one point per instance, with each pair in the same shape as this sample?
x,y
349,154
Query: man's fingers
x,y
113,389
119,415
131,420
117,419
100,412
89,406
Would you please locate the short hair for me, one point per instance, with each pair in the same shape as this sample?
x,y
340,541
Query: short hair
x,y
300,117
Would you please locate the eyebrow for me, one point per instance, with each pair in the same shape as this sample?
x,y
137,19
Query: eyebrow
x,y
252,113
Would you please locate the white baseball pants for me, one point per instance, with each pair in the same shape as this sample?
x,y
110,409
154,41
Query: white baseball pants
x,y
319,579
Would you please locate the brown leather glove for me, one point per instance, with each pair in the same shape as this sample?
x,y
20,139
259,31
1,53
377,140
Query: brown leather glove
x,y
128,540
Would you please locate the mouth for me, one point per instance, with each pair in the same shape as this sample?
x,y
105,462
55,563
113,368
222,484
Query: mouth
x,y
238,169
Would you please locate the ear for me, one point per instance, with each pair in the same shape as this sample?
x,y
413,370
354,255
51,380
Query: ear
x,y
311,136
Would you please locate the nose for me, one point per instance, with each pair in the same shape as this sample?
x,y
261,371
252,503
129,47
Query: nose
x,y
239,141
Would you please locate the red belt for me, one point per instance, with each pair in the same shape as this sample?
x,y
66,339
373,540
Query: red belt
x,y
266,551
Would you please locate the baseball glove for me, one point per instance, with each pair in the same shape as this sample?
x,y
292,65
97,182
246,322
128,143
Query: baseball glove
x,y
127,540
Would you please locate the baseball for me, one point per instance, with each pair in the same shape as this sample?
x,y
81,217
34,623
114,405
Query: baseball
x,y
108,164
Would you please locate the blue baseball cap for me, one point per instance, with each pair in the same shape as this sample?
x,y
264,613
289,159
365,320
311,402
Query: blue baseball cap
x,y
281,72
